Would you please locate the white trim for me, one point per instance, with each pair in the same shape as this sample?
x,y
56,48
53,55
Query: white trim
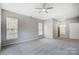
x,y
20,41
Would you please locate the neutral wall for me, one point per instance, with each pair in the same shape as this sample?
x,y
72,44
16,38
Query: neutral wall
x,y
27,27
0,28
55,29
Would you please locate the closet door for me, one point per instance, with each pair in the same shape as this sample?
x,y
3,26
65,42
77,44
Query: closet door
x,y
48,28
74,30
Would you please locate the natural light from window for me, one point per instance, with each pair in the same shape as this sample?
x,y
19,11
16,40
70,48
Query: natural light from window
x,y
40,29
11,28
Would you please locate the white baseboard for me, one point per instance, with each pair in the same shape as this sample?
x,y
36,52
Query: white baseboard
x,y
20,42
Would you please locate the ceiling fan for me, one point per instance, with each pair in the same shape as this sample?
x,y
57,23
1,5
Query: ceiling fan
x,y
44,8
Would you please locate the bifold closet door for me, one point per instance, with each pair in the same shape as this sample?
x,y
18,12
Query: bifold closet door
x,y
74,30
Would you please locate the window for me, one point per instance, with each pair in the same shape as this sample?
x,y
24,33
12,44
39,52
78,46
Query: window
x,y
11,28
40,29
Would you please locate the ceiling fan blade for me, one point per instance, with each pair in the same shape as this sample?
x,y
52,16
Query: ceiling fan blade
x,y
40,11
49,8
46,11
38,8
44,5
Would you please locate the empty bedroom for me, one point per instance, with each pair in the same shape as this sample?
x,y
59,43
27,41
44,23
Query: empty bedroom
x,y
39,28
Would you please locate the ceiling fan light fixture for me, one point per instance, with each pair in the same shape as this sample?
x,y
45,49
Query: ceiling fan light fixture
x,y
43,10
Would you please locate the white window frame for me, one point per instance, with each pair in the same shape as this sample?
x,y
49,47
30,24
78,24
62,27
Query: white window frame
x,y
11,28
40,28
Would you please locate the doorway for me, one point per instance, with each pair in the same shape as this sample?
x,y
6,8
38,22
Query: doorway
x,y
61,29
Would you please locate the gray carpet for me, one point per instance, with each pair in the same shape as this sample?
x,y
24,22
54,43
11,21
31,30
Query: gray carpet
x,y
43,47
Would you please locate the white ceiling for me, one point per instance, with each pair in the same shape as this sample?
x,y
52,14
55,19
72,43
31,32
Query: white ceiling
x,y
60,10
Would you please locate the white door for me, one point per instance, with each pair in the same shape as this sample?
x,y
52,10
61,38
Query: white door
x,y
74,30
48,28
